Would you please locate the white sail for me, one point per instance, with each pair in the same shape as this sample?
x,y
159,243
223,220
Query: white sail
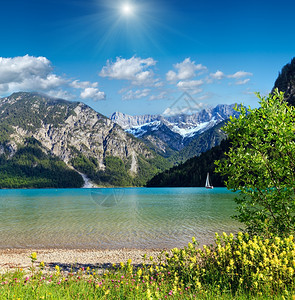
x,y
207,180
207,184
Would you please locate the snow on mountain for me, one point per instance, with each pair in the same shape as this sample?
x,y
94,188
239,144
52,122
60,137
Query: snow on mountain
x,y
173,133
140,130
185,125
190,131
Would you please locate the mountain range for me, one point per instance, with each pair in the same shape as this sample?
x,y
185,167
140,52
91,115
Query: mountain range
x,y
74,133
180,136
49,142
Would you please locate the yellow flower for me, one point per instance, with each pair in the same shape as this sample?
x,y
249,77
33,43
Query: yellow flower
x,y
33,256
148,293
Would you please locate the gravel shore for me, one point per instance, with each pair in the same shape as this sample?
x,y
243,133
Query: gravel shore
x,y
68,258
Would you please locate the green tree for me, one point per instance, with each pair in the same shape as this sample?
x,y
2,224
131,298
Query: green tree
x,y
260,165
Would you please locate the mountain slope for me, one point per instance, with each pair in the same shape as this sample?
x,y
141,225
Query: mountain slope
x,y
201,143
193,172
33,166
79,136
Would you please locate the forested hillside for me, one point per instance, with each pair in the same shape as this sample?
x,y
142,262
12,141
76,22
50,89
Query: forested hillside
x,y
193,172
75,134
33,167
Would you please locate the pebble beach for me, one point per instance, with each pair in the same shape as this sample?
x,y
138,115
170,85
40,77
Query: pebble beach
x,y
69,258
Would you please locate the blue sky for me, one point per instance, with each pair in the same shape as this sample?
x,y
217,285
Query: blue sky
x,y
142,61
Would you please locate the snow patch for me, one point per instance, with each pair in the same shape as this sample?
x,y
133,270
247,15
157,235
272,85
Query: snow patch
x,y
140,130
191,129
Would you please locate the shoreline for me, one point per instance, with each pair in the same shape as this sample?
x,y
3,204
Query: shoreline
x,y
68,259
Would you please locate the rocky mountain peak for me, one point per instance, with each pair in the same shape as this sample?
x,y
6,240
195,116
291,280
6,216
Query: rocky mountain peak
x,y
72,130
286,82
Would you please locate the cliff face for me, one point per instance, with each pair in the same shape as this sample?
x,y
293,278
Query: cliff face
x,y
68,129
286,82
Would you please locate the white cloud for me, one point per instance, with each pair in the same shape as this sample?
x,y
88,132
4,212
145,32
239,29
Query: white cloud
x,y
18,68
83,84
241,82
184,70
240,74
92,93
29,73
189,85
218,75
131,95
61,94
160,96
135,69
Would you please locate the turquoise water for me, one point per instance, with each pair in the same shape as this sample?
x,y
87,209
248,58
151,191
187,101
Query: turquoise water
x,y
114,218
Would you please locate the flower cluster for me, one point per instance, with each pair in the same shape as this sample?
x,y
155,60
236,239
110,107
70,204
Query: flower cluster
x,y
237,264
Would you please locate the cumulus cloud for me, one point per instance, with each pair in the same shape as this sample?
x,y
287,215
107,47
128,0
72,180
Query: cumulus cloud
x,y
218,75
92,93
16,69
184,70
61,94
30,73
83,84
189,85
138,94
240,74
136,69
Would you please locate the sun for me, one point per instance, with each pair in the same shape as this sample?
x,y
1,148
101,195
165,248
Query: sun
x,y
127,9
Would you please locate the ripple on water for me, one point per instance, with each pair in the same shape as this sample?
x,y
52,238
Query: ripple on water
x,y
113,218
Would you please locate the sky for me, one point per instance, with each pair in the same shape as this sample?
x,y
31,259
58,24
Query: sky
x,y
145,57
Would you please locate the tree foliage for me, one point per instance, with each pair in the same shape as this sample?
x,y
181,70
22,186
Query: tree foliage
x,y
260,165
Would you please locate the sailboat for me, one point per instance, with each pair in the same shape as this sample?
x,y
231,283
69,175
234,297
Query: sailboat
x,y
207,184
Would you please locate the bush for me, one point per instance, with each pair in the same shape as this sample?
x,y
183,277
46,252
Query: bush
x,y
260,166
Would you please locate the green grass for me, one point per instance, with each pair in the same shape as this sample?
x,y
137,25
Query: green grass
x,y
234,268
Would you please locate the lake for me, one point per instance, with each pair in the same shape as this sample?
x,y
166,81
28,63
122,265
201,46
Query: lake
x,y
113,218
